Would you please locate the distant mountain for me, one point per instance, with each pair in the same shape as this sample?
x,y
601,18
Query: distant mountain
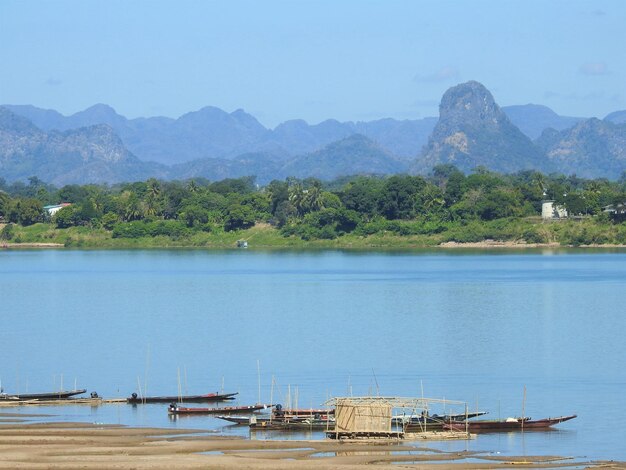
x,y
264,166
92,154
591,149
473,131
99,145
533,119
354,155
617,117
402,138
48,119
213,133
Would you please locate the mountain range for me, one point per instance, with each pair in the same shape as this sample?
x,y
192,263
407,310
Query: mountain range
x,y
98,145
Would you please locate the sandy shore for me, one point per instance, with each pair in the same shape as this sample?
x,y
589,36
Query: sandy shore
x,y
92,446
31,245
517,244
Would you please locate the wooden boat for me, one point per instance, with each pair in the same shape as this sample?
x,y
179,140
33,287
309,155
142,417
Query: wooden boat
x,y
433,419
134,399
296,425
245,420
181,410
509,424
305,412
60,395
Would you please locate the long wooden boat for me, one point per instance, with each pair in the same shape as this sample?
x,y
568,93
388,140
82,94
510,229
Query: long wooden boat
x,y
60,395
509,424
434,419
298,425
306,412
135,399
182,410
246,420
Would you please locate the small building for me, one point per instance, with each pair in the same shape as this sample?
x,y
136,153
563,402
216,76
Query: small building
x,y
551,211
616,211
54,208
372,417
358,416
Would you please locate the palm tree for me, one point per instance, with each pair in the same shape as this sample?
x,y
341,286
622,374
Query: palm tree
x,y
313,198
192,186
297,197
154,187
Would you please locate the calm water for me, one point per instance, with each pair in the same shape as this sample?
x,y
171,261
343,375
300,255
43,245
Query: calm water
x,y
461,326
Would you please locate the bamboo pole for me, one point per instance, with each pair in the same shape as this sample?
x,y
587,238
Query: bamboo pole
x,y
523,407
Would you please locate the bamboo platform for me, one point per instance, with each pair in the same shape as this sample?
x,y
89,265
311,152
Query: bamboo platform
x,y
438,436
367,435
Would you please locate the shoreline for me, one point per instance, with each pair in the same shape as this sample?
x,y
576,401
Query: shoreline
x,y
31,245
95,446
485,244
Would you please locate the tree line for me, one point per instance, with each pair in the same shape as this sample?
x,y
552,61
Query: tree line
x,y
307,208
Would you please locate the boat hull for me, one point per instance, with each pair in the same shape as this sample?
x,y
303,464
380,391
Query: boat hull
x,y
304,425
181,410
136,400
515,425
62,395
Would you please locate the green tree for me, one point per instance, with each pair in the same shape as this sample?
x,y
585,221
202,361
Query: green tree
x,y
194,215
69,216
239,217
454,188
7,232
362,195
297,198
26,211
277,192
398,197
5,204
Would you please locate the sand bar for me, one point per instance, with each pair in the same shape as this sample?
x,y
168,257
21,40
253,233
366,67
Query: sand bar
x,y
93,446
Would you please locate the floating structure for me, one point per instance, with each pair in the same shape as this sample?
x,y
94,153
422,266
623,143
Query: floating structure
x,y
372,417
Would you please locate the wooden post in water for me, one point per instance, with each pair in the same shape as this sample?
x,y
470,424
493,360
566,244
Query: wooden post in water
x,y
258,372
523,406
271,400
180,392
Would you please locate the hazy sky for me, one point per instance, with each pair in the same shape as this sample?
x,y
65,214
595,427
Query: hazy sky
x,y
280,60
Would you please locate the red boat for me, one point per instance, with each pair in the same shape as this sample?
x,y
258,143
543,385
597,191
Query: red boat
x,y
509,424
181,410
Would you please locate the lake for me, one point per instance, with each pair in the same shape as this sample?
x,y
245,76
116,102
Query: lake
x,y
479,327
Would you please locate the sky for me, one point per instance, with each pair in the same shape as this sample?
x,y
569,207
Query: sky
x,y
350,60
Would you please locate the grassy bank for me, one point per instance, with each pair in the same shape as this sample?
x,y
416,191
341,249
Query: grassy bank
x,y
405,235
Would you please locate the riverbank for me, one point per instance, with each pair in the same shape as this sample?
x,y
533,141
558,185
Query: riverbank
x,y
96,446
517,234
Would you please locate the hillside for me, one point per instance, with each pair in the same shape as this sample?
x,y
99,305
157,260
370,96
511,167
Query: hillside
x,y
92,154
473,131
591,149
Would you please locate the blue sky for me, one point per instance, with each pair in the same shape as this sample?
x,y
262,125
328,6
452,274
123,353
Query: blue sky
x,y
280,60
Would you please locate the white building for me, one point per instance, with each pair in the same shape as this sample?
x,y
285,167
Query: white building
x,y
550,211
53,209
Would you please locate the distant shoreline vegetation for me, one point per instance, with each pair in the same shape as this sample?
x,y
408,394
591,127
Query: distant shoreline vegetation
x,y
444,209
